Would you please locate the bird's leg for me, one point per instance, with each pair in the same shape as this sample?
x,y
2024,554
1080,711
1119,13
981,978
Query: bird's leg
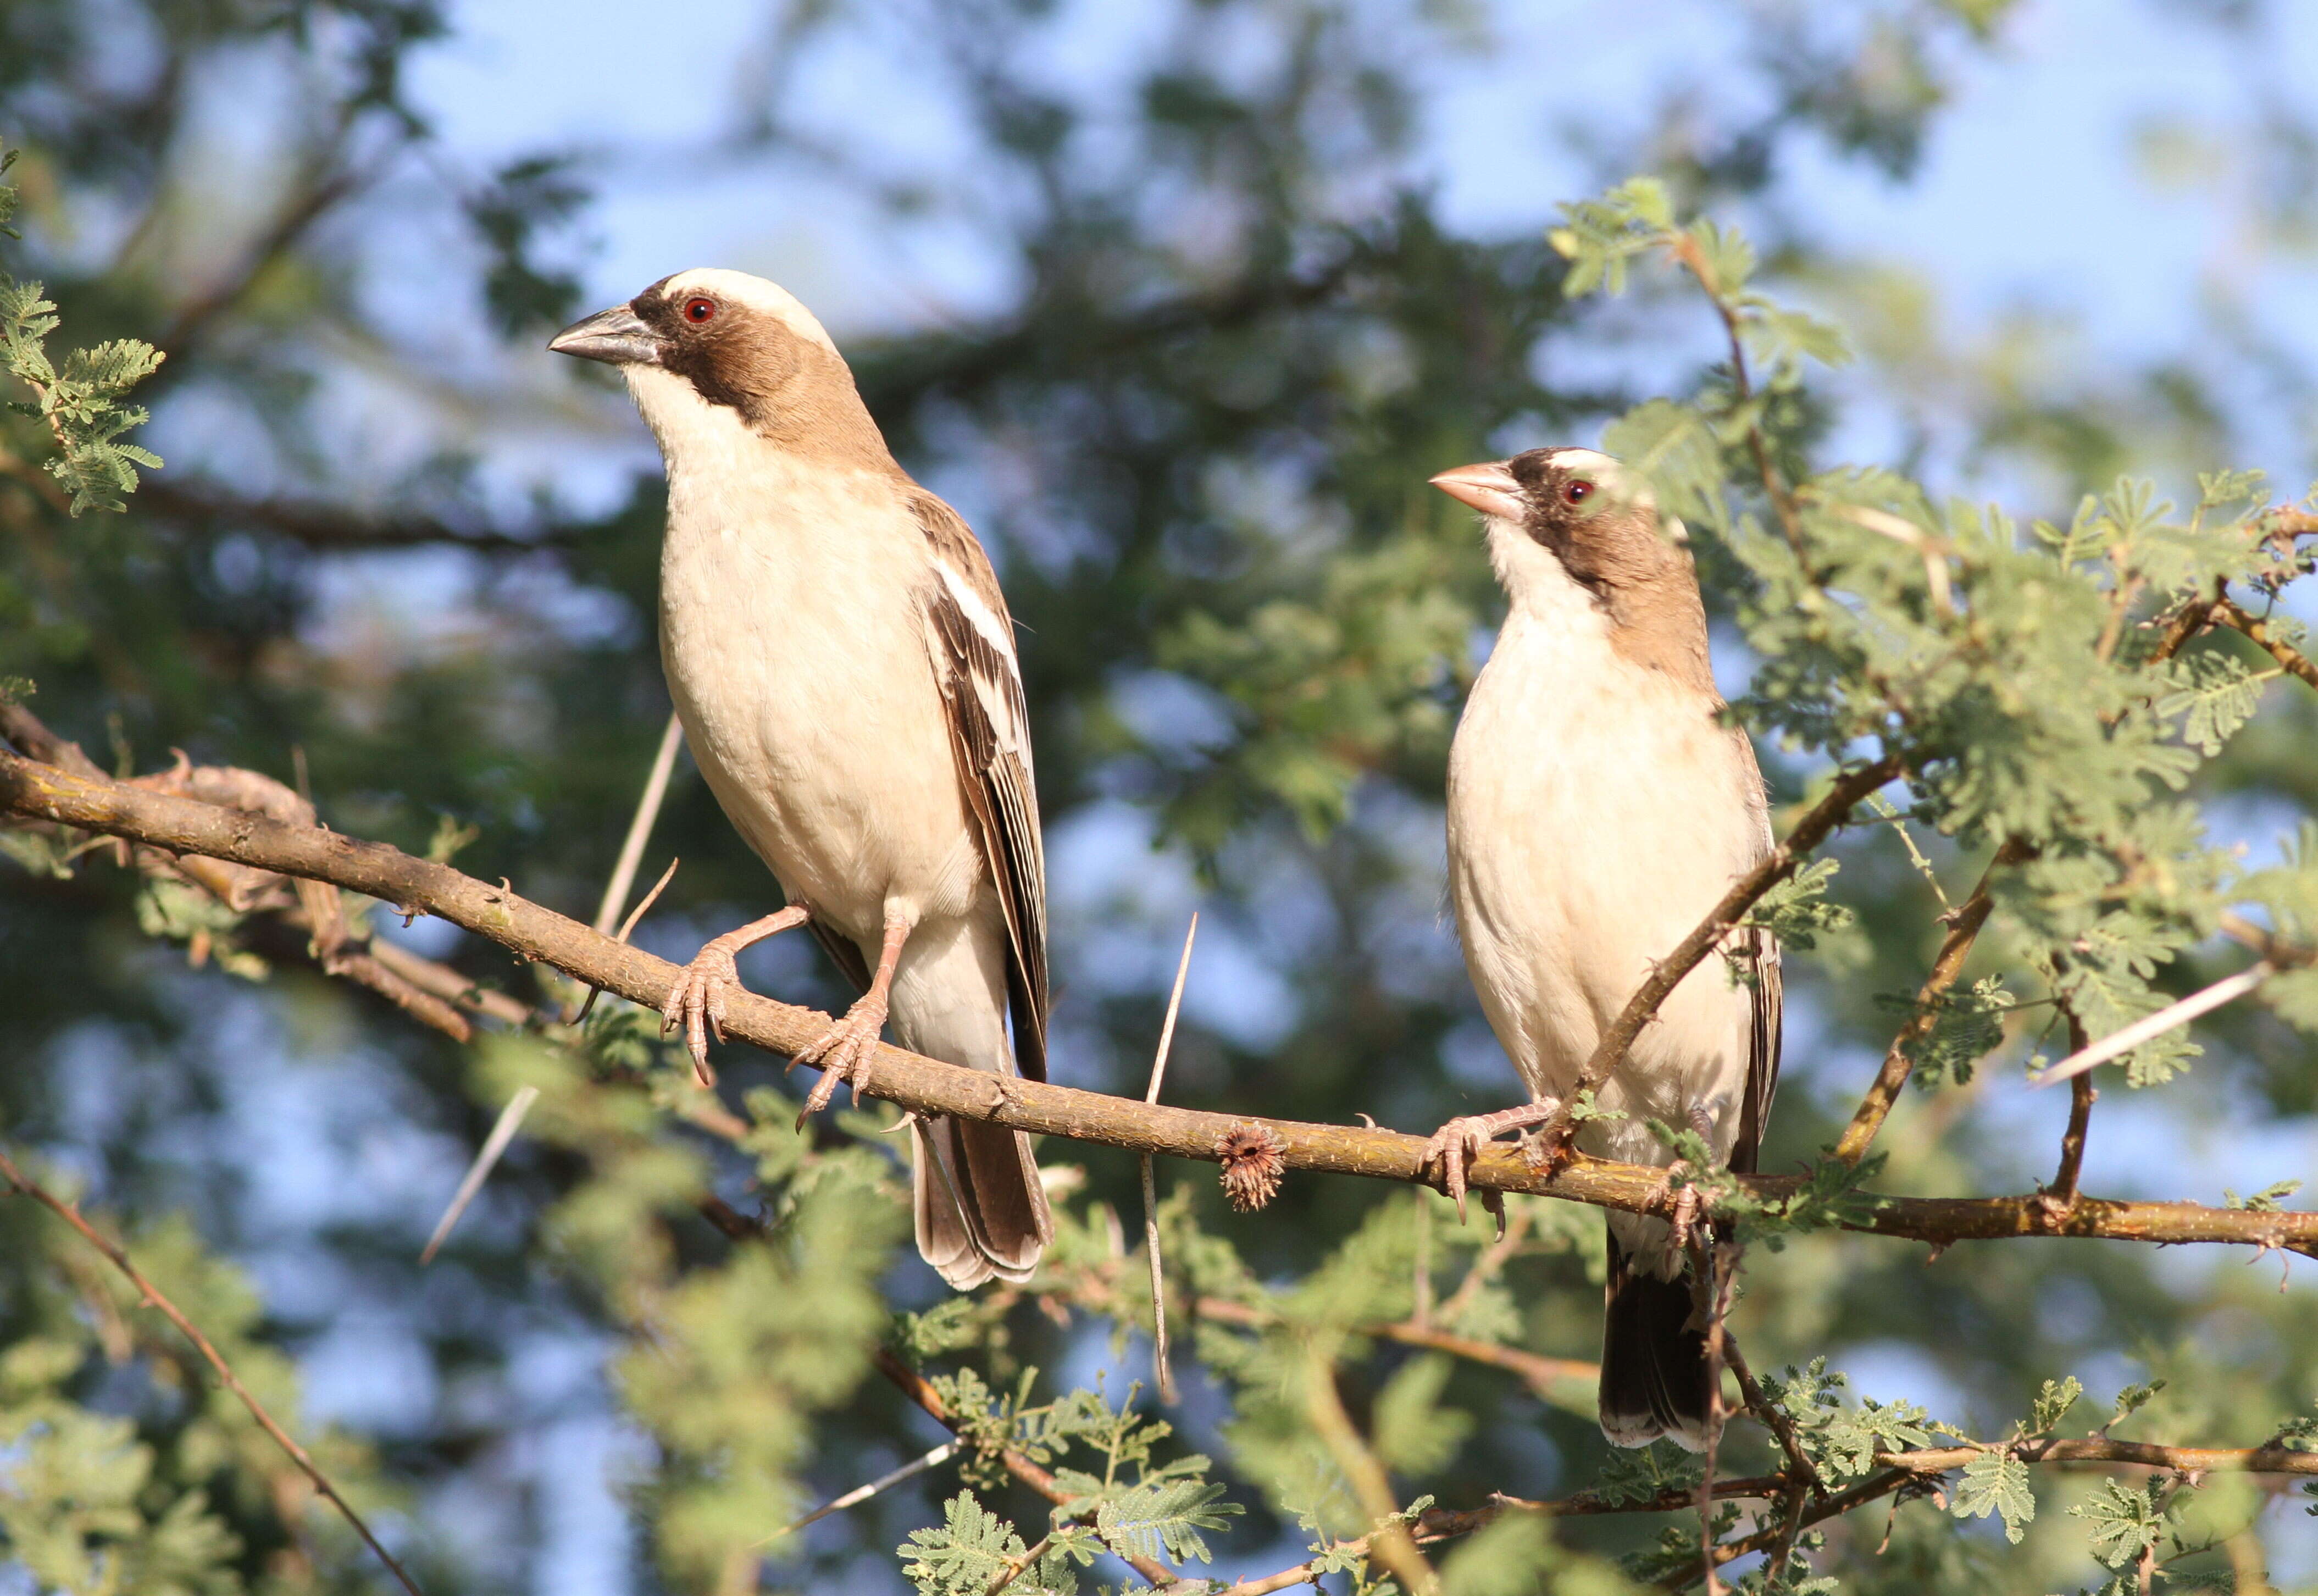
x,y
1460,1140
696,1000
1684,1217
843,1052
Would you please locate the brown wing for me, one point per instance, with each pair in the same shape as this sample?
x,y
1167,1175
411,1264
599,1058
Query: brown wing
x,y
1769,1014
1762,1060
971,638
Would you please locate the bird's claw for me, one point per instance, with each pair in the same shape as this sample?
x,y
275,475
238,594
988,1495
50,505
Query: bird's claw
x,y
843,1054
696,1004
1683,1219
1449,1148
1460,1141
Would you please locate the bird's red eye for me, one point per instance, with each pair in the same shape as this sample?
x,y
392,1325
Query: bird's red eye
x,y
1575,492
698,310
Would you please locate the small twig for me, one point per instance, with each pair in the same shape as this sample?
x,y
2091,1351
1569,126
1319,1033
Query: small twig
x,y
1018,1566
2156,1024
1964,925
1783,504
1802,1476
503,1132
1439,1524
2063,1189
1540,1373
639,829
152,1296
861,1493
1799,1462
1150,1189
2257,630
1721,1261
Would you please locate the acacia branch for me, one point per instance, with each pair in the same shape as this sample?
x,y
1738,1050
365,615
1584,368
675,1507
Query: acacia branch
x,y
2257,630
927,1086
432,993
1540,1373
1964,925
151,1294
1898,1471
1390,1542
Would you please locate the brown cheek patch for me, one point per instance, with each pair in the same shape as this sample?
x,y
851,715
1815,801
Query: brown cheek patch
x,y
1648,586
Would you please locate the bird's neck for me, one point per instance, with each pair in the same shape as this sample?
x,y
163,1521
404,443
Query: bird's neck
x,y
1657,623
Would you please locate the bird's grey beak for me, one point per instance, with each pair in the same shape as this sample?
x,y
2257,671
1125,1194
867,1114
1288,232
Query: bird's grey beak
x,y
1489,489
617,337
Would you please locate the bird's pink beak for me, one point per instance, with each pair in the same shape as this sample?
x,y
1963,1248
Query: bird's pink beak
x,y
1489,489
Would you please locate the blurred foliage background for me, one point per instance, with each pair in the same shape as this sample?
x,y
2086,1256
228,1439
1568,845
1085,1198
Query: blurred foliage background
x,y
1180,303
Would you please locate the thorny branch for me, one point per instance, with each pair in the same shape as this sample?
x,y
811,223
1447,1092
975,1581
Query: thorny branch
x,y
432,993
2258,632
1898,1470
183,825
1965,924
20,1181
2063,1192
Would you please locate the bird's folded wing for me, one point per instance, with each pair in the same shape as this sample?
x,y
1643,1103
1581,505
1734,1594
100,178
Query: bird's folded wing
x,y
1762,1056
973,645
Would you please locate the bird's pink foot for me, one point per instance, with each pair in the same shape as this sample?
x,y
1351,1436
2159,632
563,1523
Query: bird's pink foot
x,y
843,1052
1457,1144
696,1004
697,1000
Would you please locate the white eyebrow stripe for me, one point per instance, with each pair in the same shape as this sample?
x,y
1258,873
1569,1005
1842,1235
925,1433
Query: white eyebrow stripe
x,y
768,299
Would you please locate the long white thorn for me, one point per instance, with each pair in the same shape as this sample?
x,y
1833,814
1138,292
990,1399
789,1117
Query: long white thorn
x,y
608,914
861,1493
1166,1372
2118,1043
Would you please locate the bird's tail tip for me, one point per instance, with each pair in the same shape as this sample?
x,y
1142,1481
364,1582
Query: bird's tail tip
x,y
1654,1366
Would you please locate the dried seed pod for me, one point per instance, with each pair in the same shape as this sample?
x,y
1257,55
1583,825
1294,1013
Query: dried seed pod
x,y
1252,1165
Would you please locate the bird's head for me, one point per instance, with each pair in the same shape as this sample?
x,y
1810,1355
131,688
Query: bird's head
x,y
706,348
1575,536
1572,514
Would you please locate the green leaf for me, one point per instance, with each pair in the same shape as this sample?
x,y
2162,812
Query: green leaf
x,y
2126,1519
2131,1401
1796,911
963,1557
1640,1473
1412,1432
1164,1517
1996,1483
2052,1404
1965,1027
2267,1200
2213,695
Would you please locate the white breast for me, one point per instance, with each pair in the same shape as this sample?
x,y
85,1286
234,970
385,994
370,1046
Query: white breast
x,y
794,645
1597,813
